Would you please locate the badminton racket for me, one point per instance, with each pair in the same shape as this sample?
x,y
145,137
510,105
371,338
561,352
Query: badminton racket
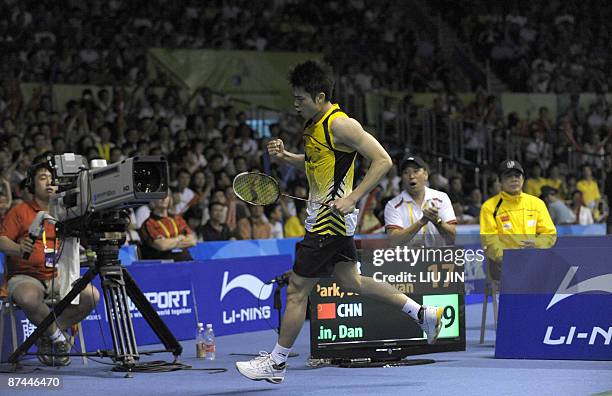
x,y
261,189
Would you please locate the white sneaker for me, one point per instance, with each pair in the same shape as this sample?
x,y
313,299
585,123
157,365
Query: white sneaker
x,y
432,323
262,368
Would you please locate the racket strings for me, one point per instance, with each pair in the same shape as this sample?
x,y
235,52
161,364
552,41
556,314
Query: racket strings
x,y
256,188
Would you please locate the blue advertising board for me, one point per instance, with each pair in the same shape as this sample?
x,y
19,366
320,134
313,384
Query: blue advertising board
x,y
169,290
235,295
556,304
246,248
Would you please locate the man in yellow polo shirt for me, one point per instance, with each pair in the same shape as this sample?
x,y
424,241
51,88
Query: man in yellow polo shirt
x,y
534,184
513,219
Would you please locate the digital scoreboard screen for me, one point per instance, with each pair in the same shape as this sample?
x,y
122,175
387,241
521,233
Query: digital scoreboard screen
x,y
345,325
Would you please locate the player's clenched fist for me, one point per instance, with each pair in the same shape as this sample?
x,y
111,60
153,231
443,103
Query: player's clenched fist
x,y
276,148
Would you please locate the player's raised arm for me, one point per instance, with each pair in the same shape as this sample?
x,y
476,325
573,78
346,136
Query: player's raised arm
x,y
276,149
350,135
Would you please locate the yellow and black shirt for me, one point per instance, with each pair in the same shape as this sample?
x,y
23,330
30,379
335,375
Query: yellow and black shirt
x,y
329,170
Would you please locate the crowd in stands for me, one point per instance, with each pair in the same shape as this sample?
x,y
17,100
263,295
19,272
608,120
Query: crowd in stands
x,y
556,46
105,42
570,152
207,140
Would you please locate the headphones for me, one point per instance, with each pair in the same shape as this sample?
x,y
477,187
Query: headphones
x,y
31,174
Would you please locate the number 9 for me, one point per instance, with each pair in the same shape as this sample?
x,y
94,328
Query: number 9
x,y
449,314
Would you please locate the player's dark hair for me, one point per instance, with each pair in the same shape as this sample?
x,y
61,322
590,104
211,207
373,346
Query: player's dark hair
x,y
314,77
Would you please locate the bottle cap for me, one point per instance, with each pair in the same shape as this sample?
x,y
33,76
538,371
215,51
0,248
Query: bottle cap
x,y
200,324
209,325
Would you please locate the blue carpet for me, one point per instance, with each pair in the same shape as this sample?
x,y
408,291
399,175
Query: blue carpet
x,y
474,371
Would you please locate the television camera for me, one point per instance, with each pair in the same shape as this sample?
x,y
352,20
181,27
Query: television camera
x,y
82,192
89,207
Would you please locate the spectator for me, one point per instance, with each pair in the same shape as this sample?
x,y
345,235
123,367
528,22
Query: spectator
x,y
463,218
560,213
105,144
294,226
557,181
538,151
274,213
455,191
186,194
535,183
368,222
165,236
391,183
193,217
583,214
419,214
256,226
504,223
215,229
474,203
589,188
58,145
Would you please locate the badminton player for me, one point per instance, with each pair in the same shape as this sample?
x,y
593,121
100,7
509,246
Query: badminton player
x,y
332,141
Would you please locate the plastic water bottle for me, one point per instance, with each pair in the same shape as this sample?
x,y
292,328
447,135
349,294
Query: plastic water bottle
x,y
200,343
209,343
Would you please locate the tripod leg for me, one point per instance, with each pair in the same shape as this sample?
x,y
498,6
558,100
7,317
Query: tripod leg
x,y
148,313
119,319
57,311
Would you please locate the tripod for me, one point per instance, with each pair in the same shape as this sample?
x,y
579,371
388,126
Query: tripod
x,y
105,233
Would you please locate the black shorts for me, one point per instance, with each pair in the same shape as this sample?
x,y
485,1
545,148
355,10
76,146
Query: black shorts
x,y
316,255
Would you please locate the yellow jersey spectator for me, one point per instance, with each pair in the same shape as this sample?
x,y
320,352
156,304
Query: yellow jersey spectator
x,y
533,185
589,188
513,219
294,226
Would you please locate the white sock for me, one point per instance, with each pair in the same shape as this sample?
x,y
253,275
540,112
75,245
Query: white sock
x,y
57,336
412,309
280,354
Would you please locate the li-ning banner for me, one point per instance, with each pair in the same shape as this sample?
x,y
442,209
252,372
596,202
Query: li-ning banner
x,y
235,295
556,304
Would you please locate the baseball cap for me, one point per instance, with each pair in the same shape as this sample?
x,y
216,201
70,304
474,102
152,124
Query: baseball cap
x,y
414,160
509,165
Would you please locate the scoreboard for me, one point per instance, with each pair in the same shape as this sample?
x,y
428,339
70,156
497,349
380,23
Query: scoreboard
x,y
345,325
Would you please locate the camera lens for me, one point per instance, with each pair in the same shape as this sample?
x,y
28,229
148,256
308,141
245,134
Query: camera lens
x,y
149,177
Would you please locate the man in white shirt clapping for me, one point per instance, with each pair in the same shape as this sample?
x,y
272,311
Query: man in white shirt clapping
x,y
419,215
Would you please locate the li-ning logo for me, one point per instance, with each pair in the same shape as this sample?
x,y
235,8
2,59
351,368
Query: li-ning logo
x,y
599,283
248,282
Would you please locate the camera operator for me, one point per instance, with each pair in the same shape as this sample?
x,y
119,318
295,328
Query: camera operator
x,y
33,280
165,236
